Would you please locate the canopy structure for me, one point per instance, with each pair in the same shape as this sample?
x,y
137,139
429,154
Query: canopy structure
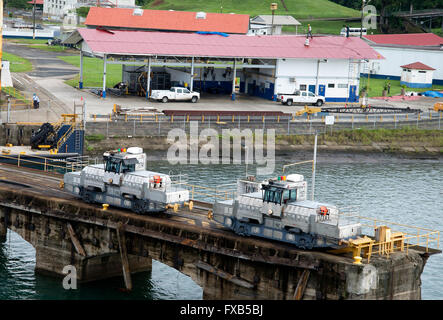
x,y
203,48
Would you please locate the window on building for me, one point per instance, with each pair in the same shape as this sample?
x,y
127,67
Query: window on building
x,y
405,70
303,87
342,85
422,72
331,85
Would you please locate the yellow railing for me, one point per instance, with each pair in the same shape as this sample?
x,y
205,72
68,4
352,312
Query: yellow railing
x,y
407,237
16,94
65,137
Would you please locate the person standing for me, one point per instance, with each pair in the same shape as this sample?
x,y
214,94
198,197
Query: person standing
x,y
309,31
389,88
36,101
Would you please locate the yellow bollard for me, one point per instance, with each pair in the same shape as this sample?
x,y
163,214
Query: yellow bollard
x,y
62,184
187,118
248,117
381,118
278,118
95,117
203,118
218,118
172,118
210,215
357,260
232,118
105,206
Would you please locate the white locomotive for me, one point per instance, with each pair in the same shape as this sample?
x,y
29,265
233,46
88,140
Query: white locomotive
x,y
122,181
278,209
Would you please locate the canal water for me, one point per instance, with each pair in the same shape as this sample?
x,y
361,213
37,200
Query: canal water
x,y
406,192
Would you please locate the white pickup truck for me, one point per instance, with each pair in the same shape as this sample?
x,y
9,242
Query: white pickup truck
x,y
175,93
304,97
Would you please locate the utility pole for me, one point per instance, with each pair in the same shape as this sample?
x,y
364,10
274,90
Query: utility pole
x,y
33,21
1,42
273,8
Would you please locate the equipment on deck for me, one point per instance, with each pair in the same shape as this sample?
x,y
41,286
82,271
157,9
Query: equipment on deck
x,y
45,135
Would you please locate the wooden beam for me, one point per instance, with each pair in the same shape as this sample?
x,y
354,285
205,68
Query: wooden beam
x,y
124,256
301,286
224,275
77,245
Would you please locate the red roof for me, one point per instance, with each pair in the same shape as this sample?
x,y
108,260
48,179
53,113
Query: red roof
x,y
198,45
418,66
407,39
36,2
167,20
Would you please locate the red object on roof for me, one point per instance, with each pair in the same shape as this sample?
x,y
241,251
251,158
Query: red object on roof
x,y
418,66
36,2
167,20
407,39
198,45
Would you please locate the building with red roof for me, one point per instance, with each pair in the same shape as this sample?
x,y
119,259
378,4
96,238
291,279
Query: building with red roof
x,y
403,49
264,66
407,39
417,75
164,20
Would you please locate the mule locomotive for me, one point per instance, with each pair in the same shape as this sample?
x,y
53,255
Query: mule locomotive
x,y
278,209
122,181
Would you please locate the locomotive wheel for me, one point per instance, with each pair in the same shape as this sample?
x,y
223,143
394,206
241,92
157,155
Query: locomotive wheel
x,y
139,206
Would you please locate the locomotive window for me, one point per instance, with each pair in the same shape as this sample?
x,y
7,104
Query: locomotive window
x,y
273,195
289,195
128,167
112,166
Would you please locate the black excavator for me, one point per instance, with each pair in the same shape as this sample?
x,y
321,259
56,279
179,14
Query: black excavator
x,y
45,135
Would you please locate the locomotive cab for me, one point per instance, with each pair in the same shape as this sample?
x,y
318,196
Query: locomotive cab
x,y
275,196
120,162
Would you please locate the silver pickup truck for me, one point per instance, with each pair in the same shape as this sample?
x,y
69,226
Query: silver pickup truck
x,y
175,93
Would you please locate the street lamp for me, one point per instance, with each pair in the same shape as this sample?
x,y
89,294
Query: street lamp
x,y
273,8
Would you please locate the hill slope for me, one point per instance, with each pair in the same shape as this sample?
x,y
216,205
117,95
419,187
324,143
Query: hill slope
x,y
300,9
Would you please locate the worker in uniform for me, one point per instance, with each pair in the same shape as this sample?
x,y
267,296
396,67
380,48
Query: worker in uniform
x,y
36,101
309,31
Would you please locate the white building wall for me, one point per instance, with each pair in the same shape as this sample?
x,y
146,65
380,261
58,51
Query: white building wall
x,y
58,7
337,75
396,57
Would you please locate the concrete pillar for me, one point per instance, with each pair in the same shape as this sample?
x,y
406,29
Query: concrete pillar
x,y
192,74
80,83
51,261
3,224
148,80
104,76
233,81
316,78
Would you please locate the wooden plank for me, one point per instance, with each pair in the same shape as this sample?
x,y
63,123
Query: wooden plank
x,y
301,286
124,256
77,245
224,275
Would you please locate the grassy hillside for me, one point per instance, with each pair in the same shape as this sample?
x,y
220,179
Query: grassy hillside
x,y
300,9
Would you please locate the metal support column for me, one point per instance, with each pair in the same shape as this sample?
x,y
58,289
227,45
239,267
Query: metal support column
x,y
104,76
233,81
148,80
192,74
80,83
316,77
313,167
